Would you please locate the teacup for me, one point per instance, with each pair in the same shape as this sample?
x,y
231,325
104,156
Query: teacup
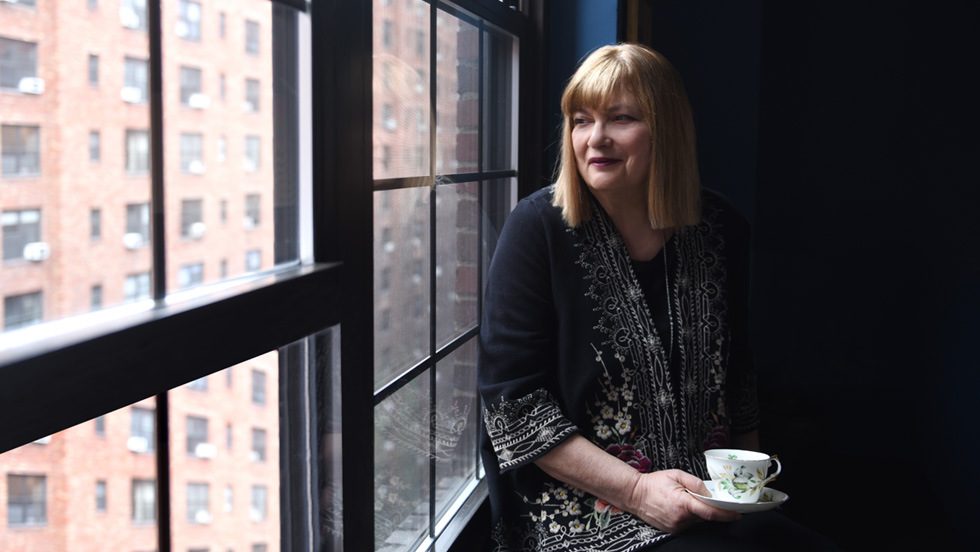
x,y
740,475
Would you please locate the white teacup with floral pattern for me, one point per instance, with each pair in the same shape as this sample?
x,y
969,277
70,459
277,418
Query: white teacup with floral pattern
x,y
740,475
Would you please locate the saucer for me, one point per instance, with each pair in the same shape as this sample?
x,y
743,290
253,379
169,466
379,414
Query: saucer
x,y
771,498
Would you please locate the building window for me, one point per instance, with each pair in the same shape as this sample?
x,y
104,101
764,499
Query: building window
x,y
95,224
192,218
229,498
20,311
18,66
101,500
132,14
200,384
20,228
99,424
387,34
258,445
144,501
93,4
253,260
192,153
253,147
190,88
136,81
94,146
222,87
222,154
189,20
260,547
137,151
21,150
260,499
136,287
253,207
222,24
142,430
26,500
95,302
93,70
197,435
252,95
198,503
137,225
223,214
190,275
229,437
252,37
258,387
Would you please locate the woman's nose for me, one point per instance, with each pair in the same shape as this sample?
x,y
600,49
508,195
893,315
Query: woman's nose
x,y
599,137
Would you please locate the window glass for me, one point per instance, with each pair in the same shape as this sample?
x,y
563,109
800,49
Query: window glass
x,y
20,146
18,65
457,253
456,424
189,20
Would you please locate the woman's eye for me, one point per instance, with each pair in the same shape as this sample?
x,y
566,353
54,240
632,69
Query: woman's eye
x,y
623,118
578,121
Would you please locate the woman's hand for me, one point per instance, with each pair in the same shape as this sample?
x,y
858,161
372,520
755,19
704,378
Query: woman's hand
x,y
661,499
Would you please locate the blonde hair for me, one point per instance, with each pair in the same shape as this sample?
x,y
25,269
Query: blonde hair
x,y
673,196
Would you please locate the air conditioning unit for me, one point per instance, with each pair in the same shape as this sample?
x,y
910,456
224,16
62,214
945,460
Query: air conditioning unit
x,y
248,223
195,167
133,240
138,444
254,456
390,123
132,94
249,106
43,440
37,251
197,230
205,450
182,29
31,85
9,1
129,18
255,514
202,516
199,101
250,165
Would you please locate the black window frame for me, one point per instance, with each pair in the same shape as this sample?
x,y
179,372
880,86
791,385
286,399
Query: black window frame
x,y
83,366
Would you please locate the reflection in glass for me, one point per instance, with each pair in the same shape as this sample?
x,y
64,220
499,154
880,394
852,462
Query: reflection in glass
x,y
456,423
401,467
457,246
457,95
401,282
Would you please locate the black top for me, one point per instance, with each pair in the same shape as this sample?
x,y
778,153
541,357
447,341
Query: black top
x,y
574,339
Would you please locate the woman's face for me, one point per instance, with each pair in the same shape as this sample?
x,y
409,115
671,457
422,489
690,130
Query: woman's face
x,y
613,147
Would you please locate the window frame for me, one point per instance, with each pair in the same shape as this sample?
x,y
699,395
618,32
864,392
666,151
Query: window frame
x,y
82,363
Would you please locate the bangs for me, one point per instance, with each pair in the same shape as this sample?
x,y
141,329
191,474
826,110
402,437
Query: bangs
x,y
600,85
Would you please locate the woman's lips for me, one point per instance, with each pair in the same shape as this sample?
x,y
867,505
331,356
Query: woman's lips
x,y
602,161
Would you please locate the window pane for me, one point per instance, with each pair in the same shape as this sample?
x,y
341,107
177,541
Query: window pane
x,y
456,424
401,262
457,251
457,95
224,461
401,90
100,474
499,101
401,464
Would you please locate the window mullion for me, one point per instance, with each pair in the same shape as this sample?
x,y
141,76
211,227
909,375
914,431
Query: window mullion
x,y
433,293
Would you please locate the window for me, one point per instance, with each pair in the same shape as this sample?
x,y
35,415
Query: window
x,y
189,20
137,226
258,445
259,499
252,37
253,146
229,437
101,499
222,154
221,24
200,384
222,87
99,424
26,500
192,153
18,66
95,225
20,311
197,434
93,4
252,95
190,275
136,81
95,301
198,503
132,14
253,260
93,70
21,150
191,218
260,547
20,228
253,207
137,287
258,387
229,498
144,501
190,88
94,146
142,433
137,151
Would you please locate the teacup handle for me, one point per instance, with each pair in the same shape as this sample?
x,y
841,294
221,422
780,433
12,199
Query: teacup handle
x,y
779,468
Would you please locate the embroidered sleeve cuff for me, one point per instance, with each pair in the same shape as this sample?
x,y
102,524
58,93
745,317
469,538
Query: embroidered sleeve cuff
x,y
524,429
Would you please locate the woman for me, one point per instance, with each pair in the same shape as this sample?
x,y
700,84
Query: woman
x,y
613,347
